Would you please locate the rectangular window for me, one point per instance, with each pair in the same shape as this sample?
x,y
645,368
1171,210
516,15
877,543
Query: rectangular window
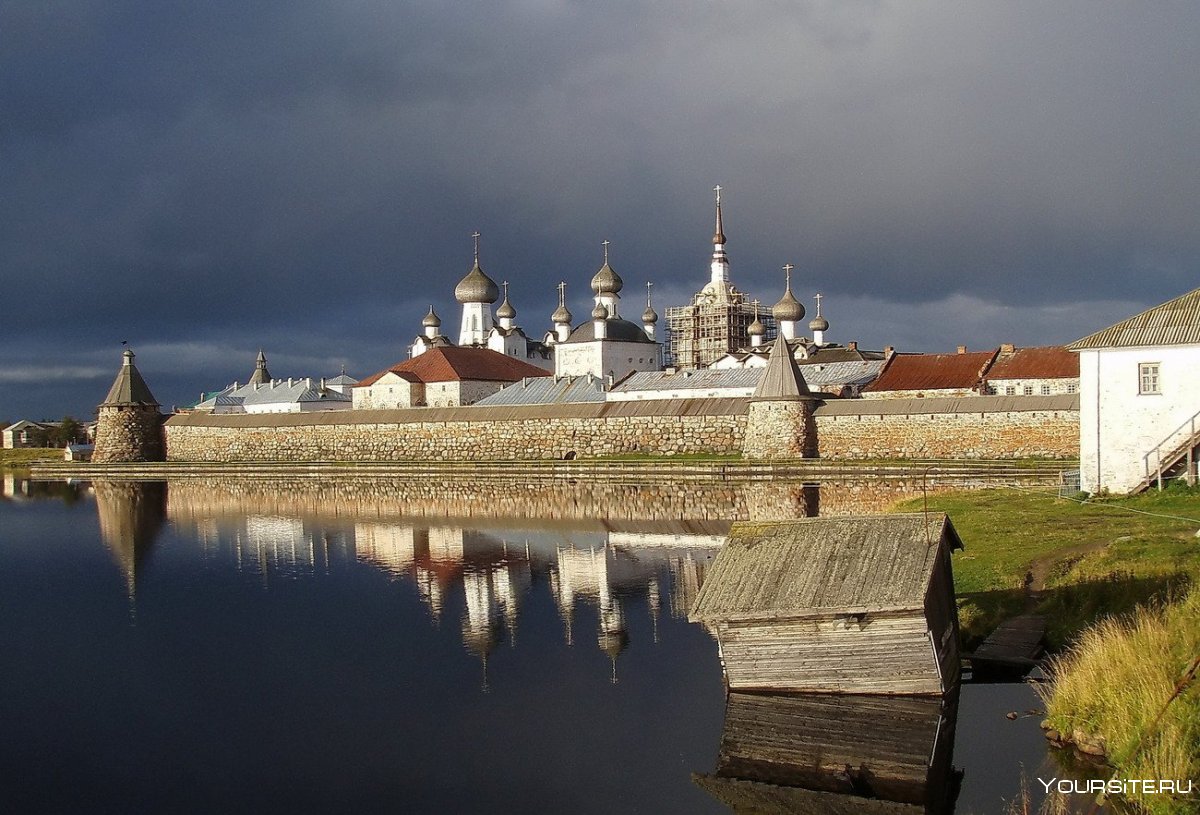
x,y
1148,381
1045,390
1072,388
1028,390
1010,390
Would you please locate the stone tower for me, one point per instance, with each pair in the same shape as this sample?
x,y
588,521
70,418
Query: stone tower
x,y
780,423
129,426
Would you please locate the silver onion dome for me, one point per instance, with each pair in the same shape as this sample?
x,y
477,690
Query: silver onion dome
x,y
599,312
431,319
788,309
476,287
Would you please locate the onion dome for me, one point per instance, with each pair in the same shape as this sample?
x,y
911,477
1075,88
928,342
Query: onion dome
x,y
606,281
562,314
788,308
756,329
476,287
599,312
818,323
506,310
649,315
431,319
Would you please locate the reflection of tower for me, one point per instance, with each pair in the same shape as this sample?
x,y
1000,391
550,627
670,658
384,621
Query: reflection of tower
x,y
480,626
782,501
654,603
613,637
131,515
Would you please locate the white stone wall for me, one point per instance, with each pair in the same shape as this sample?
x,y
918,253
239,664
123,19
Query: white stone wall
x,y
390,391
1118,425
600,358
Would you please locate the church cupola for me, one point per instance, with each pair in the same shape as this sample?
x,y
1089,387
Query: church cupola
x,y
476,292
788,311
606,285
506,313
819,324
431,323
562,315
600,321
649,316
756,330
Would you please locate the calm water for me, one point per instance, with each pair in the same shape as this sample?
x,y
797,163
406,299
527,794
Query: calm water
x,y
380,646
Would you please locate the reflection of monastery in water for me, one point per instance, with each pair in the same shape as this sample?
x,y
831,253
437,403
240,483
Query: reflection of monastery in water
x,y
488,575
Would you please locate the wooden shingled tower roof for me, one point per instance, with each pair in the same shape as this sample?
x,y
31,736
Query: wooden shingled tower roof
x,y
781,378
818,565
129,388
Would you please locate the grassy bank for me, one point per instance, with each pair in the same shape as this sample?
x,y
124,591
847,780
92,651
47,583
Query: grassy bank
x,y
20,458
1115,681
1075,562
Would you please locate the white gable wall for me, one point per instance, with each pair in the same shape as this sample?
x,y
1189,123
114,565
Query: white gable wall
x,y
1117,424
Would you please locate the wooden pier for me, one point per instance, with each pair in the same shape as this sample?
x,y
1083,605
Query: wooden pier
x,y
1013,648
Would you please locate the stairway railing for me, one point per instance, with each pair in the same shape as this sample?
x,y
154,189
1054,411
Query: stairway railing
x,y
1172,446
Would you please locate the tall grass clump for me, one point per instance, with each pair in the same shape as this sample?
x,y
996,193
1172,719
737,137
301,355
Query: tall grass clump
x,y
1114,682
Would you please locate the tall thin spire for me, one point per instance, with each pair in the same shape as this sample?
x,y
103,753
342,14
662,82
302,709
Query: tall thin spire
x,y
719,233
475,236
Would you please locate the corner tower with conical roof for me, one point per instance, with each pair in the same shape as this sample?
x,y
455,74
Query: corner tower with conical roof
x,y
780,422
129,426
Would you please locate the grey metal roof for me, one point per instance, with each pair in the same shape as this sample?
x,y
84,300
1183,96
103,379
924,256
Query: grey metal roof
x,y
129,388
793,568
548,390
833,375
618,329
299,390
947,404
1175,322
342,379
472,413
702,379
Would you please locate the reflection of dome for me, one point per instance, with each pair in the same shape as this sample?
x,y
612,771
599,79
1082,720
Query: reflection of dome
x,y
476,287
612,642
607,281
788,308
431,319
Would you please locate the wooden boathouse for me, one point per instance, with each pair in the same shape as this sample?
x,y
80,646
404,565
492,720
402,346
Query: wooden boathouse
x,y
836,605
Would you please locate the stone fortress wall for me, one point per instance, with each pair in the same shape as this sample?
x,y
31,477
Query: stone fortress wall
x,y
983,427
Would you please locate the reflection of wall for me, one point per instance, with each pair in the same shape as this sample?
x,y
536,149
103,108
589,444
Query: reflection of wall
x,y
686,508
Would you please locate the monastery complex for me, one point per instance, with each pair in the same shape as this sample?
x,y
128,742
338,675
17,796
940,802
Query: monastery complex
x,y
729,378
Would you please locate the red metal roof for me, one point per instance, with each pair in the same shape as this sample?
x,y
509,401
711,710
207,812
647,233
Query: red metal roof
x,y
454,364
1049,362
920,372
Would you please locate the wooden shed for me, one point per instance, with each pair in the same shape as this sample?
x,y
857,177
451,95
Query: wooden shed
x,y
835,753
836,605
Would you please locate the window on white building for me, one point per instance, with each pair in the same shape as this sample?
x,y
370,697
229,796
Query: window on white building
x,y
1148,381
1072,388
1010,390
1027,390
1045,390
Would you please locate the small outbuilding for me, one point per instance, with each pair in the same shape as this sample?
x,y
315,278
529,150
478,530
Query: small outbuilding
x,y
836,605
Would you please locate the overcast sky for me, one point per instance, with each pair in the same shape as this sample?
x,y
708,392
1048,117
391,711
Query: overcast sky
x,y
204,179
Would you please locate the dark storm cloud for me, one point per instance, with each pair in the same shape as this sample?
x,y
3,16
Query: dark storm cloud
x,y
212,177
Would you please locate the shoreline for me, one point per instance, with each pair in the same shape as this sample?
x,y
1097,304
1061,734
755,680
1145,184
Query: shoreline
x,y
1025,470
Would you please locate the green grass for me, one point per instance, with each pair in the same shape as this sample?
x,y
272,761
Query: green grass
x,y
21,457
1081,561
1117,680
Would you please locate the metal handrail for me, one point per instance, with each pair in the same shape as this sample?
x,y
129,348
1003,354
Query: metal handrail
x,y
1157,450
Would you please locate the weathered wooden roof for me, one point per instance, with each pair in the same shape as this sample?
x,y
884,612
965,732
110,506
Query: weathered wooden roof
x,y
756,798
129,388
818,565
781,378
1175,322
947,404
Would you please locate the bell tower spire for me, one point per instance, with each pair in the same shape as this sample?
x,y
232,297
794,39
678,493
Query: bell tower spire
x,y
720,261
